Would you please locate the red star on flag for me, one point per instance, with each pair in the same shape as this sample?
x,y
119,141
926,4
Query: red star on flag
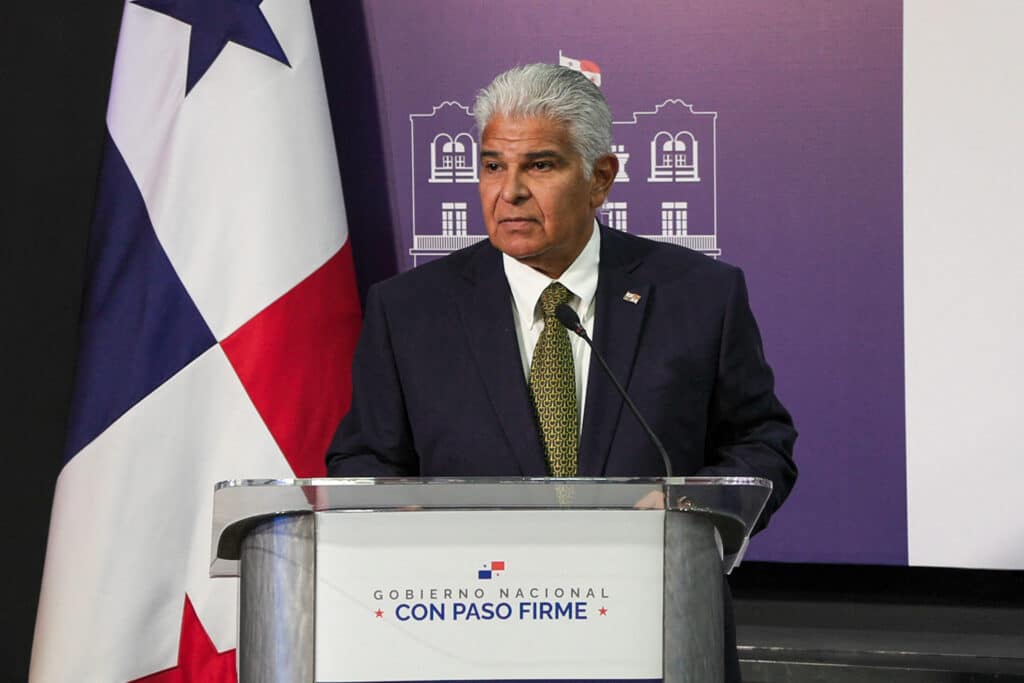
x,y
379,613
603,611
198,659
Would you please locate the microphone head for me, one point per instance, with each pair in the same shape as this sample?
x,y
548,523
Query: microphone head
x,y
568,318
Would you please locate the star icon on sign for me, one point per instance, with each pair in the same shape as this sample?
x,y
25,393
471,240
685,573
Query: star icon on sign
x,y
603,611
379,613
215,23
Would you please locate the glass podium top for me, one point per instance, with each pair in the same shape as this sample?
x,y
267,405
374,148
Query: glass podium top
x,y
732,503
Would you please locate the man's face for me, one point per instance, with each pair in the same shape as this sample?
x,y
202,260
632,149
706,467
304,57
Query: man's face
x,y
537,204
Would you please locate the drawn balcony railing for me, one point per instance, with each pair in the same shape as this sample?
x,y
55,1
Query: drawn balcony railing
x,y
444,243
706,243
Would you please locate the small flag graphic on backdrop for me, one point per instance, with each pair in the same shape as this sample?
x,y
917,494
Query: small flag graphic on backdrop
x,y
589,69
218,322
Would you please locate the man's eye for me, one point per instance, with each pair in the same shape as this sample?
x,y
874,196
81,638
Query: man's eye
x,y
491,166
542,165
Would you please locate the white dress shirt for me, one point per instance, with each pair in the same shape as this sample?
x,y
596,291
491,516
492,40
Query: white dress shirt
x,y
580,279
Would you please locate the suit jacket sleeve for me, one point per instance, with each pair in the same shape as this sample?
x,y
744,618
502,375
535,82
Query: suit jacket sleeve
x,y
749,432
374,438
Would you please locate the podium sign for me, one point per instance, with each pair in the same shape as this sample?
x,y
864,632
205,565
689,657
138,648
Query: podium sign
x,y
374,580
489,595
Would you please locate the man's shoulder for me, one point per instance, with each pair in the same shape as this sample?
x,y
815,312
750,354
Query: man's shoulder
x,y
662,262
450,272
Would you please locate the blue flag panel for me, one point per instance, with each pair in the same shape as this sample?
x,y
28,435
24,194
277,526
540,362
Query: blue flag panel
x,y
139,326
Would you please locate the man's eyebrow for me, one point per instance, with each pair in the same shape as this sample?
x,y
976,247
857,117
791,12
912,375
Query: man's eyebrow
x,y
530,156
543,154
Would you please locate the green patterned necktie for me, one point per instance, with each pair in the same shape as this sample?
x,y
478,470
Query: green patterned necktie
x,y
553,387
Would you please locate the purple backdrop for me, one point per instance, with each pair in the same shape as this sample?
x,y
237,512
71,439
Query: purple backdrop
x,y
790,168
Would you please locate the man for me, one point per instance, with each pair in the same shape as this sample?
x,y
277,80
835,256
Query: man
x,y
461,369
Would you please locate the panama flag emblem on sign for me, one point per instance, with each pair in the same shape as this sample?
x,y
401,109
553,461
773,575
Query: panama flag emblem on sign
x,y
218,322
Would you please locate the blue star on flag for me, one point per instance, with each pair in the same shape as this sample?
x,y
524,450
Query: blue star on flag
x,y
215,23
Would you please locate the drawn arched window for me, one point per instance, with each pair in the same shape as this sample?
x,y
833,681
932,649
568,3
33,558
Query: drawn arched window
x,y
674,158
464,152
453,152
442,159
453,160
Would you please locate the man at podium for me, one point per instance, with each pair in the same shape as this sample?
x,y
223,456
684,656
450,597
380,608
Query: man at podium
x,y
463,368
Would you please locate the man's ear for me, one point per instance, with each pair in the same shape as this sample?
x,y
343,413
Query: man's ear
x,y
605,170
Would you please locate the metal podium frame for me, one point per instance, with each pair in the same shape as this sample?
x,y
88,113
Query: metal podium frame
x,y
264,531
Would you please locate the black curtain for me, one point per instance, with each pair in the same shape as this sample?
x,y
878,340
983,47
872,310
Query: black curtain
x,y
55,73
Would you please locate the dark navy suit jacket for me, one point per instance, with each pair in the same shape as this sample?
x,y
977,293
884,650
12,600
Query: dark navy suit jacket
x,y
439,388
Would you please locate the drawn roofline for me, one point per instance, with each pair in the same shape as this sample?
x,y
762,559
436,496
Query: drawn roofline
x,y
439,107
658,108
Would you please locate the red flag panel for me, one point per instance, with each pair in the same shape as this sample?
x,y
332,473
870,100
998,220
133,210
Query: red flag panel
x,y
295,360
198,659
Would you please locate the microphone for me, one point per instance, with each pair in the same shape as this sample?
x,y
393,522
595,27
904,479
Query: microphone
x,y
571,321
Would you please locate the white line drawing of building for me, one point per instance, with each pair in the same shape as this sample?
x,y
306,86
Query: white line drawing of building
x,y
678,203
444,158
615,215
623,156
674,200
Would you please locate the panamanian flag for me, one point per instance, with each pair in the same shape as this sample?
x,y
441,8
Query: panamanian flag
x,y
588,68
219,319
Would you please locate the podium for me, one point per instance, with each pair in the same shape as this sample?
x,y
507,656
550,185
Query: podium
x,y
359,580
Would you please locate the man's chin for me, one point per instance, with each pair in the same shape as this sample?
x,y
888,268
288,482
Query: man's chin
x,y
519,249
543,261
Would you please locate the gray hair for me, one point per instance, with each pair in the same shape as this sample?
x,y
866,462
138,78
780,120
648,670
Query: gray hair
x,y
554,92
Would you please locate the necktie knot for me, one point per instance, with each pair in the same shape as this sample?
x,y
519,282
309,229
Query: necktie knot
x,y
553,295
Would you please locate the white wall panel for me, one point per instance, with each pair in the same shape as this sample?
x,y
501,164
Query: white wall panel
x,y
964,272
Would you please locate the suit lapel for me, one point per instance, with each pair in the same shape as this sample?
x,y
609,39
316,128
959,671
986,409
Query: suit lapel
x,y
485,310
618,324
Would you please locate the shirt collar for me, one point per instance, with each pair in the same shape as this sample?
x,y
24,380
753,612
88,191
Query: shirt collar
x,y
580,278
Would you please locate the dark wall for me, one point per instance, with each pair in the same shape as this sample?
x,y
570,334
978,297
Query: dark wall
x,y
348,77
55,73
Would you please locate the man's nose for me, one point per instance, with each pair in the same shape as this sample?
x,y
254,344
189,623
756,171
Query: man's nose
x,y
514,190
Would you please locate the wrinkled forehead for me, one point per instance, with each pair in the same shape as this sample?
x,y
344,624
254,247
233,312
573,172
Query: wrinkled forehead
x,y
526,134
533,121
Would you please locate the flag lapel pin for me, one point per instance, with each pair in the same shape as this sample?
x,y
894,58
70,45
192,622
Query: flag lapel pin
x,y
631,297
